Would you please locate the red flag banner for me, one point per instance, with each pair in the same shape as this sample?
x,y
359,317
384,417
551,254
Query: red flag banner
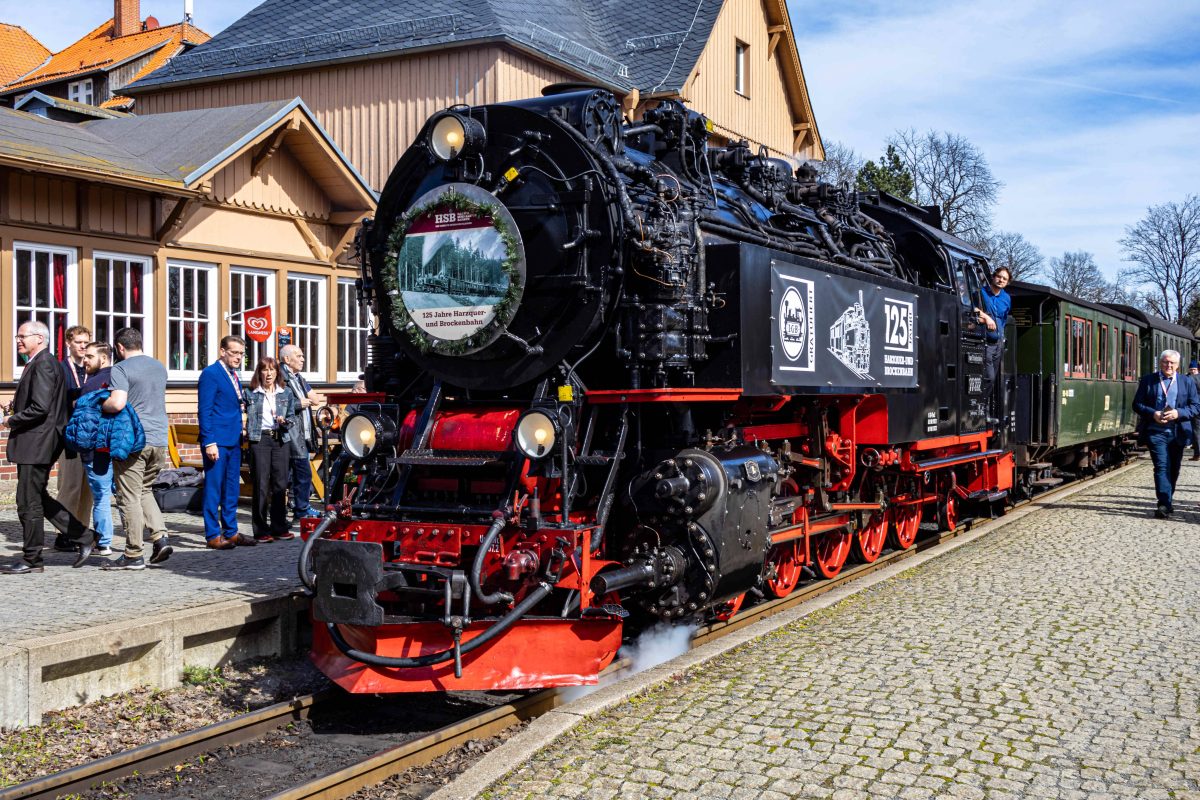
x,y
258,323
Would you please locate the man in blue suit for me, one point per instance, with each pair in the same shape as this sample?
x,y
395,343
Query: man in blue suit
x,y
1166,403
220,416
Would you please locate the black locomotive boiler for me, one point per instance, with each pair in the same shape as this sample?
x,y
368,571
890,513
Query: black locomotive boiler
x,y
621,375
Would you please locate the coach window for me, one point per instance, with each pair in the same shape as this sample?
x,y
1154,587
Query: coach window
x,y
1129,358
1102,360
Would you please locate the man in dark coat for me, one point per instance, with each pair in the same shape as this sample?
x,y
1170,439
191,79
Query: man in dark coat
x,y
1166,402
35,440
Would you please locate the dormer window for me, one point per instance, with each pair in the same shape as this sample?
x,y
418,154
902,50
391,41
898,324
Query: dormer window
x,y
80,91
740,66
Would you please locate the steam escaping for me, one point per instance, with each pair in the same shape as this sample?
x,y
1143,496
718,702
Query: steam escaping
x,y
658,645
654,646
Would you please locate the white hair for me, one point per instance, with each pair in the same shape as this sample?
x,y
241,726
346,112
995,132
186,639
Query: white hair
x,y
289,350
34,326
1174,354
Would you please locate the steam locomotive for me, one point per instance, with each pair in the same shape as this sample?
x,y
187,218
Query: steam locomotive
x,y
622,375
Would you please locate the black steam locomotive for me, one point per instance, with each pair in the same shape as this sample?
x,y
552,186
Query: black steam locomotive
x,y
621,375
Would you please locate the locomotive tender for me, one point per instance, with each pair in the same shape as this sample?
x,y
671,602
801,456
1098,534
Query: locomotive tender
x,y
621,376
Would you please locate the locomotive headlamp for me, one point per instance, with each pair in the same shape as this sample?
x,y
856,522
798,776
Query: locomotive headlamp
x,y
363,434
454,135
536,433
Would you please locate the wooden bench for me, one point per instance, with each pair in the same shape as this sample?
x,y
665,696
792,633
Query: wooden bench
x,y
188,433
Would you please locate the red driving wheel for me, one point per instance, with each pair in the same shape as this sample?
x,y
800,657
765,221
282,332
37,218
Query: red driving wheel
x,y
948,513
726,611
906,522
830,551
871,536
784,565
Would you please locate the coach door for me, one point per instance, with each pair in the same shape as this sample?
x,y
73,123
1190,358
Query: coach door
x,y
972,405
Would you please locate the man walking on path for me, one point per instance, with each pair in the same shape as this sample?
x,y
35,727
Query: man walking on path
x,y
141,382
220,414
1166,404
73,490
35,440
97,464
301,468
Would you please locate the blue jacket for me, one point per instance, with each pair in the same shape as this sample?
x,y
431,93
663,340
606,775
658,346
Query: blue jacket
x,y
220,407
91,429
286,408
1187,402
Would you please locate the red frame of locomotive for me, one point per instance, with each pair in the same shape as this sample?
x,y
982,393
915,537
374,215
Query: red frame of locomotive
x,y
937,472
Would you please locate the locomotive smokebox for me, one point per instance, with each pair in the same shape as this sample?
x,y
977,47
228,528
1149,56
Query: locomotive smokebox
x,y
494,248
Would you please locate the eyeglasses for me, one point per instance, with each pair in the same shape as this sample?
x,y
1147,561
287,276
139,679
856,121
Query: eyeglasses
x,y
236,352
20,336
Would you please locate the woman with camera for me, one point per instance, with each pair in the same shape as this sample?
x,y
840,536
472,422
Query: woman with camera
x,y
270,408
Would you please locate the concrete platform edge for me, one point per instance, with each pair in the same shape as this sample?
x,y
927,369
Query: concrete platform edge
x,y
49,673
545,730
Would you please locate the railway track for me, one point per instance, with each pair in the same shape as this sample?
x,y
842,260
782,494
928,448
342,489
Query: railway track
x,y
424,749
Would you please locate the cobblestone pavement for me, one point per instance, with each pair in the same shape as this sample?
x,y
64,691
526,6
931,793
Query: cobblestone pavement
x,y
62,599
1054,658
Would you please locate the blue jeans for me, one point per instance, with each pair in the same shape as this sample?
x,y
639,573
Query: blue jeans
x,y
301,484
1166,451
221,480
100,479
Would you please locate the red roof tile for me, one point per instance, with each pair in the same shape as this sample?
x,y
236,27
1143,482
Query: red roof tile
x,y
22,52
98,50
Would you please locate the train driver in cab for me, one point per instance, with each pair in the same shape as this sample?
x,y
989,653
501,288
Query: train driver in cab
x,y
994,316
1166,403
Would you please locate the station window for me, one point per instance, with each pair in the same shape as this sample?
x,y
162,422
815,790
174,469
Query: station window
x,y
45,291
191,308
306,316
741,64
354,323
80,91
119,296
1102,359
250,288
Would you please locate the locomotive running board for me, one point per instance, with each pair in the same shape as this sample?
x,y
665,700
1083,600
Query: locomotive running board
x,y
948,461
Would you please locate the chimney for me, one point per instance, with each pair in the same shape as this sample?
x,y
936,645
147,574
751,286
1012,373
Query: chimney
x,y
127,17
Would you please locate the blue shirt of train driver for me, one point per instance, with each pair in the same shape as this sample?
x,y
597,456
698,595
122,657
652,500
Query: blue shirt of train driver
x,y
997,306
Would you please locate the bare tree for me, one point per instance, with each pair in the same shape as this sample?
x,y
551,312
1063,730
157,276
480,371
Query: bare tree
x,y
1076,273
1164,248
1012,250
952,174
840,166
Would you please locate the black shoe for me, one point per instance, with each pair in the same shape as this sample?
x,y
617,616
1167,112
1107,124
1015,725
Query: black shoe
x,y
64,545
85,551
162,550
1161,512
19,568
125,562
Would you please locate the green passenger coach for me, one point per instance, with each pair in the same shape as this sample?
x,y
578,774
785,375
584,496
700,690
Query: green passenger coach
x,y
1073,369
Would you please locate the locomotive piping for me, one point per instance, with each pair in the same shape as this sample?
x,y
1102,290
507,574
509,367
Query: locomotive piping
x,y
306,575
485,544
497,628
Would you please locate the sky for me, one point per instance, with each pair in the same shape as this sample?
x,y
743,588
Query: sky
x,y
1087,110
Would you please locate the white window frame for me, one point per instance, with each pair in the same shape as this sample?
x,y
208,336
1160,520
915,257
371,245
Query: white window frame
x,y
741,65
23,313
214,322
249,361
314,367
147,314
82,91
345,329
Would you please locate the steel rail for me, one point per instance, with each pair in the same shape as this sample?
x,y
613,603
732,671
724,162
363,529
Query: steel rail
x,y
423,750
167,752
